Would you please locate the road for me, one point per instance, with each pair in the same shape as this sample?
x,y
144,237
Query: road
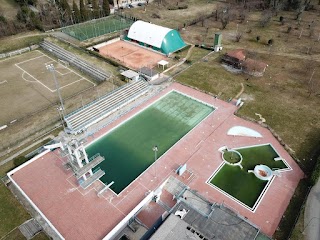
x,y
312,214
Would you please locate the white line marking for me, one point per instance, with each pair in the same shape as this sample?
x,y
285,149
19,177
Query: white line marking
x,y
75,72
5,81
33,78
30,59
71,83
22,75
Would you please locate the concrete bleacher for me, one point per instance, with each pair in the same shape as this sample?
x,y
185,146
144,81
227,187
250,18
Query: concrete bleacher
x,y
75,61
102,107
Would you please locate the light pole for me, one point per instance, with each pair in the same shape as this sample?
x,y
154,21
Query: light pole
x,y
155,149
51,68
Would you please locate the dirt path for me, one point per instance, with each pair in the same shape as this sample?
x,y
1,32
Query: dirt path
x,y
241,91
181,62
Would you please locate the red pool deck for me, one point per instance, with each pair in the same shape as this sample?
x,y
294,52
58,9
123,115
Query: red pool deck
x,y
81,214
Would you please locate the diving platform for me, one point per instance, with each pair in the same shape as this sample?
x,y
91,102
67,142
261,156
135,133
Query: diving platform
x,y
93,162
90,180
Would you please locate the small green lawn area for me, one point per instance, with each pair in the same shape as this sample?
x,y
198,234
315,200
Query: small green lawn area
x,y
257,155
240,184
12,214
232,180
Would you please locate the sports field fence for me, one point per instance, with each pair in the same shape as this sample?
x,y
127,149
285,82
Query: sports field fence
x,y
97,27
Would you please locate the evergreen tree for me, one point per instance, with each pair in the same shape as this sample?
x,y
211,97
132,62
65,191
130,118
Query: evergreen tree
x,y
106,8
95,8
65,11
83,12
77,15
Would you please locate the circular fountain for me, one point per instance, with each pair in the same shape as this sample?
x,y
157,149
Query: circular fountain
x,y
262,172
232,157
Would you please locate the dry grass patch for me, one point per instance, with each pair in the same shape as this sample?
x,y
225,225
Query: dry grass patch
x,y
281,96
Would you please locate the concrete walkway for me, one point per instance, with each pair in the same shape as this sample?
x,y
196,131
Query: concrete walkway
x,y
312,214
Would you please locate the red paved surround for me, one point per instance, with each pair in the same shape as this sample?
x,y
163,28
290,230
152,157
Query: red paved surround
x,y
78,216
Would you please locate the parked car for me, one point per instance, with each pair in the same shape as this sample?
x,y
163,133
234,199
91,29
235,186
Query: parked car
x,y
140,4
129,6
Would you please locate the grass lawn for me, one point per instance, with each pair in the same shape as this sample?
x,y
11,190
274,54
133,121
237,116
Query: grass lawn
x,y
18,41
128,148
265,155
239,183
12,214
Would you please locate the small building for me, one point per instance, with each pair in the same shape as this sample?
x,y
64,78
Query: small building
x,y
130,75
158,38
238,60
254,67
234,58
124,3
149,73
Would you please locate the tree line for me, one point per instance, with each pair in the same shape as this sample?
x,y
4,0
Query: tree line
x,y
56,13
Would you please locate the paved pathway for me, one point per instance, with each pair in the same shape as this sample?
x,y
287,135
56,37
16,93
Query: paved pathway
x,y
312,214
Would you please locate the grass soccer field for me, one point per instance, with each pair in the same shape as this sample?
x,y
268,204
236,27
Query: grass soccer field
x,y
97,27
128,148
26,86
240,184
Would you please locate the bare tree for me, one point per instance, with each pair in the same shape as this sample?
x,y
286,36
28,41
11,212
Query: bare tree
x,y
265,18
238,36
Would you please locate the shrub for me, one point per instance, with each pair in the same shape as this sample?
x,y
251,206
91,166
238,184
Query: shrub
x,y
270,42
155,15
176,7
258,38
19,160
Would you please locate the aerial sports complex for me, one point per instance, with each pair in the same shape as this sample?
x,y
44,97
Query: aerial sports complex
x,y
159,162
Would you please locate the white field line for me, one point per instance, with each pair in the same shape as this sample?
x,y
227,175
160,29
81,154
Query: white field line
x,y
62,74
72,83
19,55
4,81
33,78
74,72
25,78
30,59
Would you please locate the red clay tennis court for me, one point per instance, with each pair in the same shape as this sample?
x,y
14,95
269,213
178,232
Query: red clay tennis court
x,y
131,55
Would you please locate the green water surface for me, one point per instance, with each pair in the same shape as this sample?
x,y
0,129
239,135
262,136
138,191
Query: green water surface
x,y
128,148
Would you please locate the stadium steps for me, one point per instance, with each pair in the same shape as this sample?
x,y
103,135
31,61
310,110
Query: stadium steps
x,y
75,61
102,106
30,228
98,109
90,180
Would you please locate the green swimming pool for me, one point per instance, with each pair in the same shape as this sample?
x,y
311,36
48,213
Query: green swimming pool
x,y
128,148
